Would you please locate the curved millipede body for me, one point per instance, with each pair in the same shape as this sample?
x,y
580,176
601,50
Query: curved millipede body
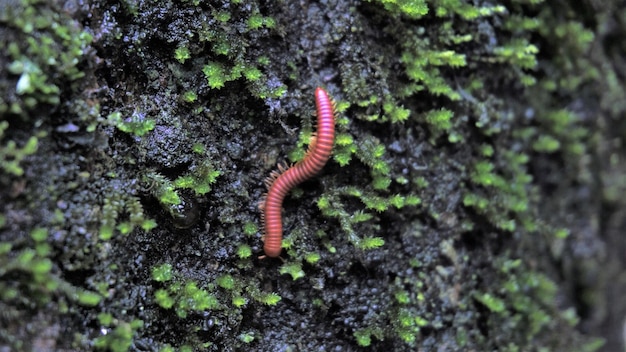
x,y
281,182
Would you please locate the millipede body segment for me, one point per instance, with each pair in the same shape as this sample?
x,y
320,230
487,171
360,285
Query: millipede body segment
x,y
282,181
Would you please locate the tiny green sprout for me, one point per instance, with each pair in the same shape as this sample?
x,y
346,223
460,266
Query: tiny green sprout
x,y
381,182
397,201
402,297
190,96
182,54
106,232
148,224
546,144
344,139
244,251
137,124
342,157
222,16
269,22
293,269
255,21
246,337
163,298
197,299
363,337
486,150
198,148
439,120
369,243
493,303
412,200
5,247
250,228
215,74
124,227
263,60
562,233
312,258
360,216
270,299
421,322
226,282
395,113
239,301
252,73
162,273
40,267
88,298
105,318
39,234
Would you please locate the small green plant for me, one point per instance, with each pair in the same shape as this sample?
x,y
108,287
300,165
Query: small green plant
x,y
199,179
11,155
190,96
293,269
185,297
363,337
227,282
215,74
181,54
250,228
120,338
116,204
244,251
162,273
137,124
246,337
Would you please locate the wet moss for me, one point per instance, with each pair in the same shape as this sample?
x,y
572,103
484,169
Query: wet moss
x,y
458,123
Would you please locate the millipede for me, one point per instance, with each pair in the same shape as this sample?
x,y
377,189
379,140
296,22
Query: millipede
x,y
280,182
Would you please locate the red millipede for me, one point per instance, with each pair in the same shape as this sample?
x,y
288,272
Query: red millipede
x,y
281,182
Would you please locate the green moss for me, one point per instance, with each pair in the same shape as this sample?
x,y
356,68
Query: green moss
x,y
120,338
369,243
215,74
185,297
244,251
190,96
239,301
181,54
199,179
137,124
164,299
105,319
46,49
246,337
410,8
439,121
270,299
119,205
162,273
250,229
293,269
312,258
494,304
227,282
11,156
363,337
255,22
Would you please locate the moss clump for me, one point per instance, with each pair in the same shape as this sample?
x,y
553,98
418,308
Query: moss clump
x,y
46,49
120,337
137,124
11,155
